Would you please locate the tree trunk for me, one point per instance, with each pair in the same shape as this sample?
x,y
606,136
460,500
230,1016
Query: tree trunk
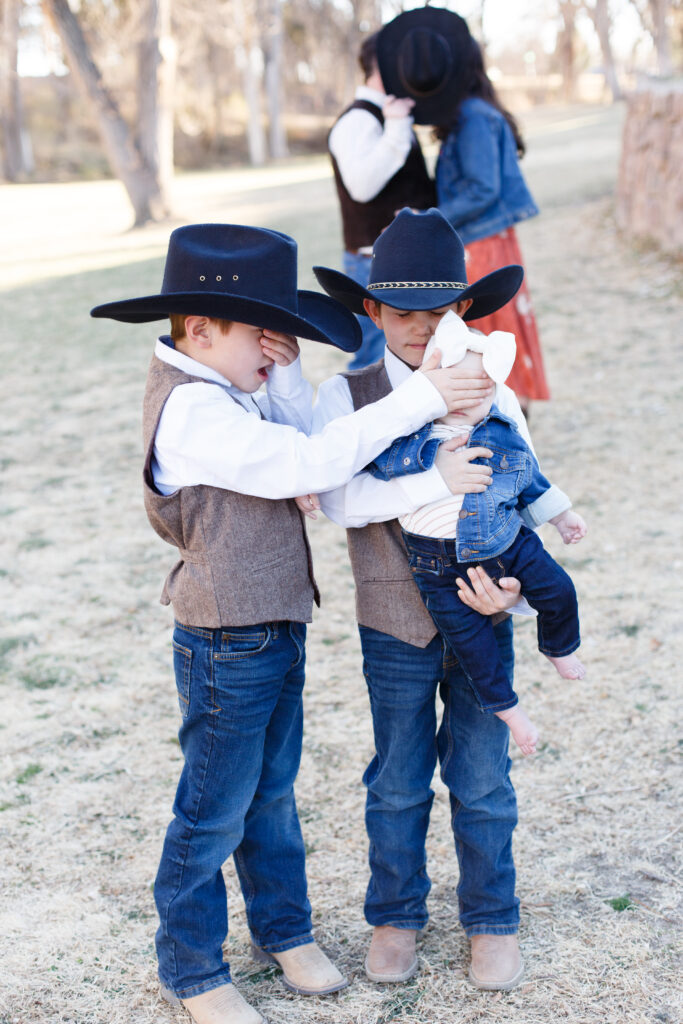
x,y
273,77
16,145
659,10
565,49
600,17
250,60
127,162
156,75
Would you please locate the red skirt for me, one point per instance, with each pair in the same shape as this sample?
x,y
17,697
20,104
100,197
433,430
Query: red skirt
x,y
527,378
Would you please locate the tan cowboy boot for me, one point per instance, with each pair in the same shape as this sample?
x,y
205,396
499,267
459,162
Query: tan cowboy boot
x,y
222,1005
496,962
391,956
305,969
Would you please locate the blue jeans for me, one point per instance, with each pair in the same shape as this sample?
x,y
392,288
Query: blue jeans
x,y
357,267
472,749
545,585
240,695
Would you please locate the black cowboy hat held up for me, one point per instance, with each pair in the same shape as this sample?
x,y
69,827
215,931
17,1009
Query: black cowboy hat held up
x,y
418,57
418,262
236,272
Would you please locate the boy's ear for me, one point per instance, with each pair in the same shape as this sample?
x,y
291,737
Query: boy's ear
x,y
463,306
373,308
197,330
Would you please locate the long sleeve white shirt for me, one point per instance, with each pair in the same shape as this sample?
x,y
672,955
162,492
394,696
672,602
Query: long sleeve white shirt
x,y
369,154
258,444
368,500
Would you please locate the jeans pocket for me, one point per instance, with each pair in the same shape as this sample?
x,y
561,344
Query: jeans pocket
x,y
242,642
182,665
430,564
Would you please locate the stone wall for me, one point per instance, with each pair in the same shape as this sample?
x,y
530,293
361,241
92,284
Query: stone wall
x,y
650,188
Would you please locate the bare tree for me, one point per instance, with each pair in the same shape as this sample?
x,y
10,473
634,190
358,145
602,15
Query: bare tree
x,y
128,162
602,20
250,60
17,158
654,16
272,48
156,75
566,47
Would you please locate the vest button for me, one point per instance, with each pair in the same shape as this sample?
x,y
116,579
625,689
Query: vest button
x,y
462,514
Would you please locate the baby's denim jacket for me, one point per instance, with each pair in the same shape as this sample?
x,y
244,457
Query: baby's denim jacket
x,y
490,521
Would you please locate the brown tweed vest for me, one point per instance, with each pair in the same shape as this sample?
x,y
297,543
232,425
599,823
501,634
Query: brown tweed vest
x,y
387,598
243,560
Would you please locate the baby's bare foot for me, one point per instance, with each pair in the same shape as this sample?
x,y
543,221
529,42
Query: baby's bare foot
x,y
569,666
524,732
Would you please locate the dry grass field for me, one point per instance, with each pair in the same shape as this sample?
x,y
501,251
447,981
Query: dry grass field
x,y
88,749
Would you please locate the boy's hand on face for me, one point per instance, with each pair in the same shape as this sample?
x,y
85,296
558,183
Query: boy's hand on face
x,y
485,596
571,526
283,349
456,468
309,504
457,390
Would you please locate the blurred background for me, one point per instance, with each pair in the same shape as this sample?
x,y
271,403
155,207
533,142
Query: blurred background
x,y
136,89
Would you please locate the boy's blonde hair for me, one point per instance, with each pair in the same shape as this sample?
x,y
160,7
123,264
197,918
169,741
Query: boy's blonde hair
x,y
178,324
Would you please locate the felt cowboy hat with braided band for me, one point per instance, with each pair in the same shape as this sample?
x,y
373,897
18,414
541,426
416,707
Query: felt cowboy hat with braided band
x,y
236,272
418,262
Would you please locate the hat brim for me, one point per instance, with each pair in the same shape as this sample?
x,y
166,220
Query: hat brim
x,y
488,293
320,318
437,107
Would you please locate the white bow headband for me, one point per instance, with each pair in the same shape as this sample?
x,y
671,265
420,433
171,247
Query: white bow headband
x,y
454,338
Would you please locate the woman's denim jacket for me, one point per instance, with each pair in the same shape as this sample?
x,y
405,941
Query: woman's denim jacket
x,y
490,521
479,184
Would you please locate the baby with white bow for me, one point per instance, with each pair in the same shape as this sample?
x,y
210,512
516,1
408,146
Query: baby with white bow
x,y
446,537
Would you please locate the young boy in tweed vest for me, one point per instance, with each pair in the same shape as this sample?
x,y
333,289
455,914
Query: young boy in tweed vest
x,y
222,465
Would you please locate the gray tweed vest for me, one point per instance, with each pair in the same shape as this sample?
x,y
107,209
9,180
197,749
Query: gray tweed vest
x,y
243,560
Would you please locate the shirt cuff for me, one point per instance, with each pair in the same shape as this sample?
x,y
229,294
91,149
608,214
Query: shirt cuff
x,y
398,132
551,503
285,380
423,488
523,608
417,393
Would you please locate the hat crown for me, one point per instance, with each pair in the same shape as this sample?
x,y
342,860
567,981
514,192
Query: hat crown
x,y
237,260
423,61
419,247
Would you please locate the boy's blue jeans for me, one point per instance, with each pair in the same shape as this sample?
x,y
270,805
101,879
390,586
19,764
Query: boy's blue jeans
x,y
545,585
357,267
240,694
472,749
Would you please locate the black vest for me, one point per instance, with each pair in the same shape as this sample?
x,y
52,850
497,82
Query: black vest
x,y
411,186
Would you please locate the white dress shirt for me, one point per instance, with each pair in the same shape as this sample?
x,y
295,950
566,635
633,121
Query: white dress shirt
x,y
205,436
369,154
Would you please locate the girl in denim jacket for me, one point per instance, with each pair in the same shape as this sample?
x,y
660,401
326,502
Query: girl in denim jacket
x,y
481,191
447,537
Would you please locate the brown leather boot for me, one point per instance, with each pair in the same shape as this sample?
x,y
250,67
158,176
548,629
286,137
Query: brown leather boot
x,y
496,962
222,1005
391,956
305,969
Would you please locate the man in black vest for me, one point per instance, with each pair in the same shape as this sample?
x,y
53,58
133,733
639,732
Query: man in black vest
x,y
378,169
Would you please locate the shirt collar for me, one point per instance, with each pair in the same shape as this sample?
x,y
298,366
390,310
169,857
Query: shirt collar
x,y
397,370
364,92
168,354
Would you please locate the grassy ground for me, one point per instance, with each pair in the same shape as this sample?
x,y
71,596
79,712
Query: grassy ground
x,y
87,736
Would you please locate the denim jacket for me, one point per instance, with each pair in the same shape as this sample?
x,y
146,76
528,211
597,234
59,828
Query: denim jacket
x,y
488,522
479,184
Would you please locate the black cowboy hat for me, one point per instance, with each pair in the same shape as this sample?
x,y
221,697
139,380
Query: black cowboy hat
x,y
233,272
419,55
418,262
